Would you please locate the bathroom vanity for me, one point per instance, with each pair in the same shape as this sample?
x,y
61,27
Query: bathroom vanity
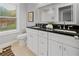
x,y
44,42
63,39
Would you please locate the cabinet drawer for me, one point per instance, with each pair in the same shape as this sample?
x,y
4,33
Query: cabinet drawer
x,y
55,35
34,32
43,34
43,40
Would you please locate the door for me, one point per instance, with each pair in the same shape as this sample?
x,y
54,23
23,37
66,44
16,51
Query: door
x,y
54,48
70,51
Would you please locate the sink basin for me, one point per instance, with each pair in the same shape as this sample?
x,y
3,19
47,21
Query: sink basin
x,y
65,31
36,27
59,30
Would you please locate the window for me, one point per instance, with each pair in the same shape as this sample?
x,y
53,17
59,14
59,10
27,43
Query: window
x,y
7,16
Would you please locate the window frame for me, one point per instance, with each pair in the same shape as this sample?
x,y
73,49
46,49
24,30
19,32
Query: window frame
x,y
10,30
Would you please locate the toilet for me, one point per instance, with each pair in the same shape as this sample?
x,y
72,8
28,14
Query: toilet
x,y
22,39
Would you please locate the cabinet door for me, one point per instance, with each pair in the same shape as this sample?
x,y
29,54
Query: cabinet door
x,y
43,47
35,42
32,40
70,51
42,43
54,48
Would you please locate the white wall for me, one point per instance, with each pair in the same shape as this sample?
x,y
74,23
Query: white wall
x,y
31,7
21,17
37,19
77,12
36,8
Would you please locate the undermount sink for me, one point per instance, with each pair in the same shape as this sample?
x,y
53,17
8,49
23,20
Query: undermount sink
x,y
65,31
36,27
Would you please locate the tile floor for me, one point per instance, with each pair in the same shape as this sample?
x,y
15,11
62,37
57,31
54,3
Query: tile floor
x,y
19,50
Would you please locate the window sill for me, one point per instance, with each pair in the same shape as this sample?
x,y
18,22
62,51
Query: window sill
x,y
8,32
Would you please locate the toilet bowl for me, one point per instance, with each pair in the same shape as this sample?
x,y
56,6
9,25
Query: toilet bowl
x,y
22,39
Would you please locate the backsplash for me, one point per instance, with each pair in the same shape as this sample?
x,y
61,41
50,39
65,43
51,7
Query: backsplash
x,y
71,27
41,25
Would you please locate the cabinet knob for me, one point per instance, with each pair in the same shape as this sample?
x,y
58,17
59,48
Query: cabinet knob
x,y
76,37
69,27
60,47
64,49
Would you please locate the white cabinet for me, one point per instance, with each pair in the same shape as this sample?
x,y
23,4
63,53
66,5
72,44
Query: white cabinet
x,y
42,47
62,45
58,49
70,51
29,39
54,48
35,41
32,40
42,43
52,44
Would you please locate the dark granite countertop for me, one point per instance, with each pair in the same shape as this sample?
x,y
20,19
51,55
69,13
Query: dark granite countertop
x,y
54,31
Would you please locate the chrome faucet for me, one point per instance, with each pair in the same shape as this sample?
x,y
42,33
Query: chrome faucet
x,y
59,26
69,27
64,25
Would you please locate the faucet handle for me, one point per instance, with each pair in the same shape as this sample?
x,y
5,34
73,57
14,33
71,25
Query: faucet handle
x,y
69,27
59,26
76,37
